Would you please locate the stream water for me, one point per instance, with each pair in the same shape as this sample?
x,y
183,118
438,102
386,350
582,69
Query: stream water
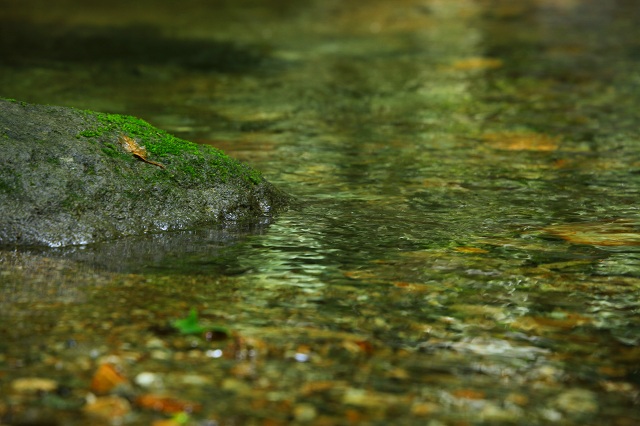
x,y
466,246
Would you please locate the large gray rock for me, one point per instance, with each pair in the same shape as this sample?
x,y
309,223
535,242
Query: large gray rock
x,y
66,177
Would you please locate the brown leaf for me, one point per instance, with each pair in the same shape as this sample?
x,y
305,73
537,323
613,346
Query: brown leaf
x,y
106,378
130,145
469,394
167,405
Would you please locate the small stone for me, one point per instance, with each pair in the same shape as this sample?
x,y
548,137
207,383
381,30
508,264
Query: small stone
x,y
108,407
423,409
243,370
34,385
147,379
159,354
235,385
304,412
194,380
576,401
155,343
517,399
493,413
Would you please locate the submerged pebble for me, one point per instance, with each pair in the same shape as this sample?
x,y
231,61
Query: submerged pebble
x,y
577,401
29,385
304,412
111,408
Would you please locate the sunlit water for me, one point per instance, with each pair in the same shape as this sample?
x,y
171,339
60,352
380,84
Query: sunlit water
x,y
464,249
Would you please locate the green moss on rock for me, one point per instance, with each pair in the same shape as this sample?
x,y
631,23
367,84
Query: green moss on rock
x,y
161,145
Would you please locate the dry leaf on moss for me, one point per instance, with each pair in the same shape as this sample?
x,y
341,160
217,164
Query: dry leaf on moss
x,y
130,145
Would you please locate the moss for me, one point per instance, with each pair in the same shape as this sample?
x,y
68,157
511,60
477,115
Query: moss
x,y
6,188
90,134
160,144
145,132
190,170
111,151
15,101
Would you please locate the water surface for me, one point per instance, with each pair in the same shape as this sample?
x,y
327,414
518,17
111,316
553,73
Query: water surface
x,y
466,246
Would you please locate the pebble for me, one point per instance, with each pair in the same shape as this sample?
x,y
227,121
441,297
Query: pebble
x,y
423,409
576,401
235,385
305,412
492,413
155,343
194,380
108,407
147,379
34,385
159,354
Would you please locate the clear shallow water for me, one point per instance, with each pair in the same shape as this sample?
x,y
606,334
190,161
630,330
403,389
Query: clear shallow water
x,y
465,251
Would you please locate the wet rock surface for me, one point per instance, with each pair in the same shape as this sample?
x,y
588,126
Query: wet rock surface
x,y
68,177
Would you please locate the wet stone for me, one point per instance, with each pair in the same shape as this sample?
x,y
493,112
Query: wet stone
x,y
66,170
148,379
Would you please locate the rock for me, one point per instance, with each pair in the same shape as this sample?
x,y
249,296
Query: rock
x,y
71,177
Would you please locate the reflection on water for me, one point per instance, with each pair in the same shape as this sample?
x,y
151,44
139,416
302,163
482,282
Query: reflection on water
x,y
466,246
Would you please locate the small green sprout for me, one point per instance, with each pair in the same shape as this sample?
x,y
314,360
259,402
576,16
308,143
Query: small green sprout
x,y
181,418
190,324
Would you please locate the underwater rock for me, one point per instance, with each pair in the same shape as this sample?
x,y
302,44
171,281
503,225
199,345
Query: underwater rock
x,y
70,177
